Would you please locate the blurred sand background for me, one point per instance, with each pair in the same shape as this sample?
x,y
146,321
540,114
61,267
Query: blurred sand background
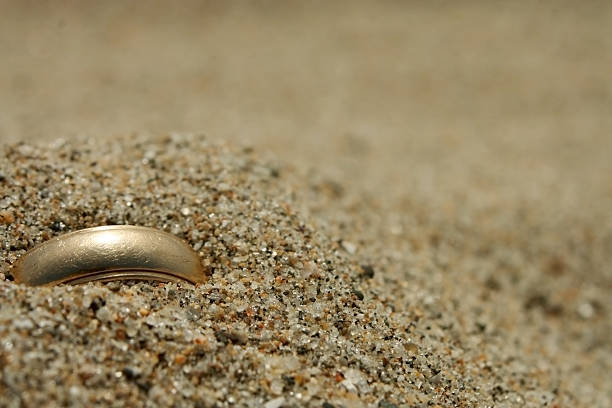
x,y
515,98
493,119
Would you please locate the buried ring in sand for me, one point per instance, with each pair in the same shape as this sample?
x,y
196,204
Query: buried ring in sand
x,y
116,252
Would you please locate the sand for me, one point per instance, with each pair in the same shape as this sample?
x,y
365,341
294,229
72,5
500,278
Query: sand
x,y
397,205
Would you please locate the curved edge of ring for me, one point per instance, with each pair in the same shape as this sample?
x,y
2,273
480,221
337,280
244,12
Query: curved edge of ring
x,y
128,274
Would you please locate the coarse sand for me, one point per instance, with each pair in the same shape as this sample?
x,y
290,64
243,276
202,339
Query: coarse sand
x,y
297,310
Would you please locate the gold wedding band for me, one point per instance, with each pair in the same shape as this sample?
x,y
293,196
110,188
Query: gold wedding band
x,y
116,252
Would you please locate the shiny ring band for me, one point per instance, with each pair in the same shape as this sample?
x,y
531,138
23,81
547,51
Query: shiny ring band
x,y
116,252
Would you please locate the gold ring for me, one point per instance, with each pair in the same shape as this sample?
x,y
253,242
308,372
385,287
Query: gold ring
x,y
109,253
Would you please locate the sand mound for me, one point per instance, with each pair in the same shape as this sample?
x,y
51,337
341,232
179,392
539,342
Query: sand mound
x,y
293,313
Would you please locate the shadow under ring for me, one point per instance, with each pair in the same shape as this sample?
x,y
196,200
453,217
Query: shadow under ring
x,y
116,252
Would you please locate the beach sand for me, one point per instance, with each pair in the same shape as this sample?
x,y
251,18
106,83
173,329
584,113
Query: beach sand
x,y
396,204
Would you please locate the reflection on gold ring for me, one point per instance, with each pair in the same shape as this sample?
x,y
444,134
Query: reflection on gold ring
x,y
109,253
